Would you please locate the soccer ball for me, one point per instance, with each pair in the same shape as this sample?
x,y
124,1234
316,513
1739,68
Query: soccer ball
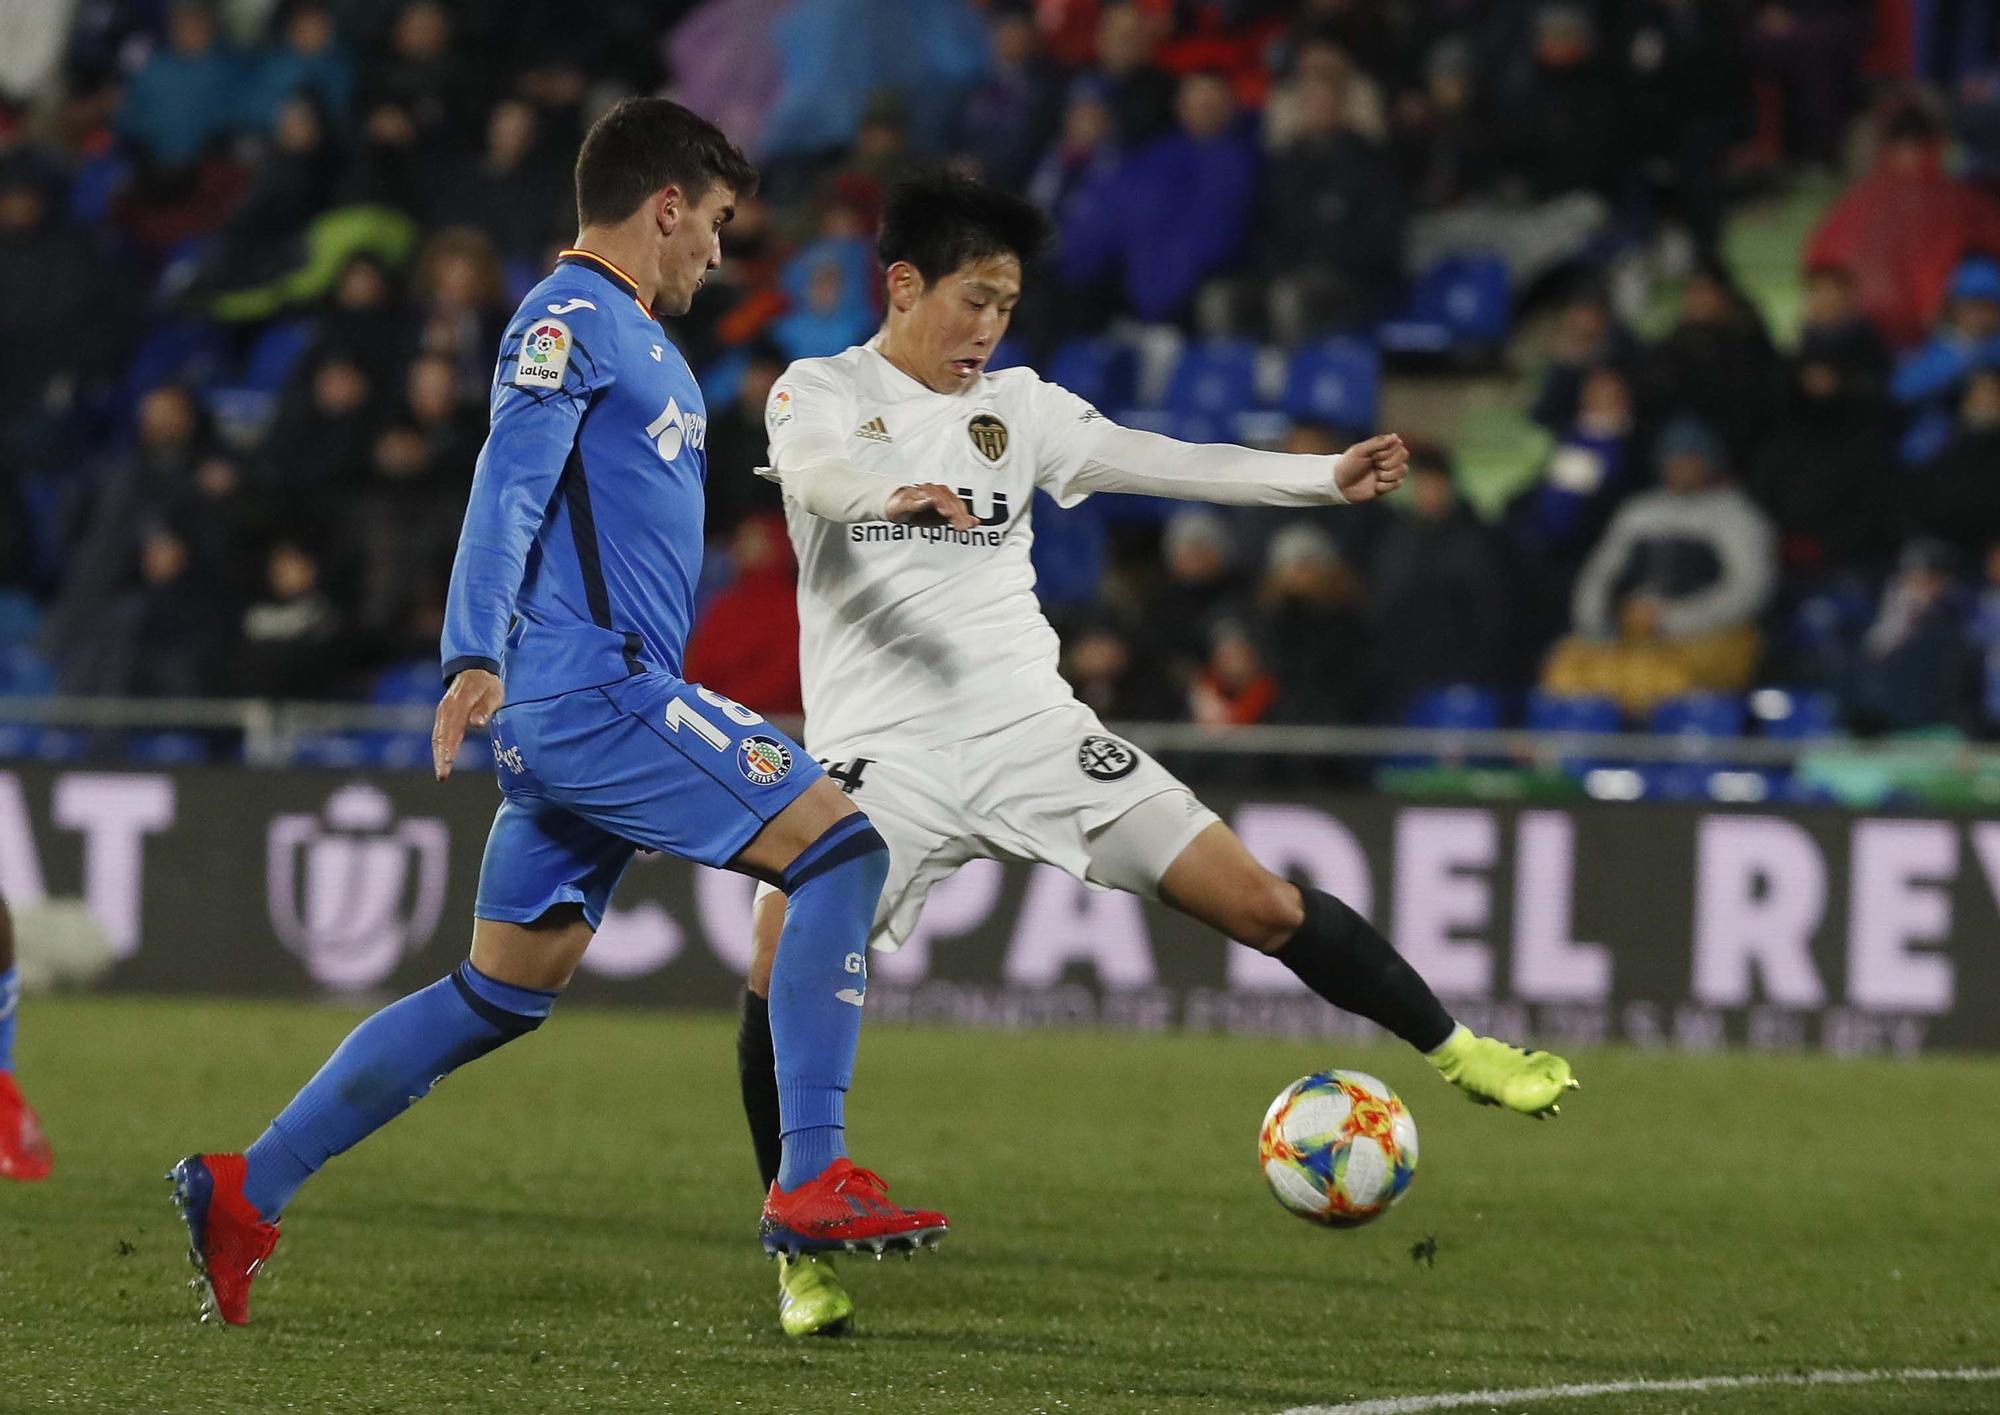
x,y
1338,1148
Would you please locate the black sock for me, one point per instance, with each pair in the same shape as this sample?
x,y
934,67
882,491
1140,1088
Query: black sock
x,y
757,1068
1340,956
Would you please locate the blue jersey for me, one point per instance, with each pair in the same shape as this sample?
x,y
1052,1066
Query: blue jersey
x,y
582,541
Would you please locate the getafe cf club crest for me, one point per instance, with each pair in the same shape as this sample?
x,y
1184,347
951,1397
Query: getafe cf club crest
x,y
989,435
352,889
765,760
1106,758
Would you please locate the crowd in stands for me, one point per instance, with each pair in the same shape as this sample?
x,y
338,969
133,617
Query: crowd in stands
x,y
255,259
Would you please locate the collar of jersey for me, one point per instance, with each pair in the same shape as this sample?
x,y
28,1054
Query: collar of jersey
x,y
591,260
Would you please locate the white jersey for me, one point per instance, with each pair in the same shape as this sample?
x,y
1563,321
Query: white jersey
x,y
925,633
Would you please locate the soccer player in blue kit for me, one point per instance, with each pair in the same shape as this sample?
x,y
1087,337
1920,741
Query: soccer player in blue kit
x,y
569,608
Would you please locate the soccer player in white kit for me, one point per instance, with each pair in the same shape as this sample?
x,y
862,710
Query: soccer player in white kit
x,y
929,669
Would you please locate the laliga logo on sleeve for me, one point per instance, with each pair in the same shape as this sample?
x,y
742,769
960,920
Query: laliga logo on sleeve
x,y
351,890
544,355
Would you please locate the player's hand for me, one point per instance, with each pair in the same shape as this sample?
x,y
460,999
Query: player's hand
x,y
931,504
471,700
1371,469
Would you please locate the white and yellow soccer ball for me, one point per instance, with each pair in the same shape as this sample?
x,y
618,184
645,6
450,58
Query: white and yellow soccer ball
x,y
1338,1148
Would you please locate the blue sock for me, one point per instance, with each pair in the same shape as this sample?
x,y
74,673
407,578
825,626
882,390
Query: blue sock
x,y
386,1064
817,982
10,998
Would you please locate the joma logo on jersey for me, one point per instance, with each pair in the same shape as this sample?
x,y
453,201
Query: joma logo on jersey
x,y
673,429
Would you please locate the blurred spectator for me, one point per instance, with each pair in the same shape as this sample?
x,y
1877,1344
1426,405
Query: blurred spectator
x,y
364,320
1667,603
1333,222
164,633
1808,52
1525,171
1975,121
1008,117
293,642
1983,644
308,59
1446,146
1199,553
404,523
1139,232
318,445
1554,523
461,303
432,76
739,443
747,644
290,188
1903,229
1437,601
1832,323
1233,688
1957,493
1684,98
1321,61
1114,677
391,166
1588,337
508,190
1908,672
1140,93
1309,616
56,276
1717,362
1822,472
1930,379
1083,158
830,287
452,430
187,95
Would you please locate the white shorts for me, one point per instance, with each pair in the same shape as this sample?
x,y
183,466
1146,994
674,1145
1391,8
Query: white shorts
x,y
1047,789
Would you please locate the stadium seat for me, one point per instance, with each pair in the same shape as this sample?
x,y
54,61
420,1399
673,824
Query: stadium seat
x,y
19,617
1795,714
1103,372
1215,376
407,684
25,673
1554,712
1462,706
1335,381
1699,715
338,750
1459,304
165,749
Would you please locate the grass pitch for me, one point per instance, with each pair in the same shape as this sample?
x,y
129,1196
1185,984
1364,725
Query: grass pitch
x,y
570,1225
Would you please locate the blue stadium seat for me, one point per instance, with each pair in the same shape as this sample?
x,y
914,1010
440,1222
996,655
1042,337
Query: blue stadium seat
x,y
1335,381
1796,714
165,749
1012,353
1214,376
339,750
17,740
25,673
1103,372
1460,303
20,617
60,744
1465,706
1699,715
1553,712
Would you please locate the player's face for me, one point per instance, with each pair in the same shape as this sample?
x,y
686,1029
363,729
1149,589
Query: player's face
x,y
691,249
959,320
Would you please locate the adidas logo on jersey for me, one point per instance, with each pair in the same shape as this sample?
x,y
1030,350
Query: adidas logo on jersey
x,y
874,430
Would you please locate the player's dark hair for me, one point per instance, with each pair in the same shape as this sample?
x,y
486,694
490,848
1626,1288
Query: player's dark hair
x,y
643,144
939,220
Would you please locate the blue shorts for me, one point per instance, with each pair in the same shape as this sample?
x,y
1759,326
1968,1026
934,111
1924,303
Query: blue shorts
x,y
594,775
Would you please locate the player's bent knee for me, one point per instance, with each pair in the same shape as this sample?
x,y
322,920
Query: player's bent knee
x,y
1271,912
543,954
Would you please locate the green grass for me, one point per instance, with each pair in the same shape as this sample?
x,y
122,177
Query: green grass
x,y
569,1225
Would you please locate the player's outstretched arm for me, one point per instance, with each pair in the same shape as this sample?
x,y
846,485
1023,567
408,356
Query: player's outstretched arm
x,y
1086,452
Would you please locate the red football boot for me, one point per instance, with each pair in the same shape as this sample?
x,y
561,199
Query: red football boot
x,y
24,1149
228,1240
846,1208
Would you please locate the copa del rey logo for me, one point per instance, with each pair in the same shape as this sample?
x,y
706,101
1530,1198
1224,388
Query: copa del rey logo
x,y
353,889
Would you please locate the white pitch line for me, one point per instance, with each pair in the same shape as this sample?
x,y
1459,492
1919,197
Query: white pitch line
x,y
1460,1400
